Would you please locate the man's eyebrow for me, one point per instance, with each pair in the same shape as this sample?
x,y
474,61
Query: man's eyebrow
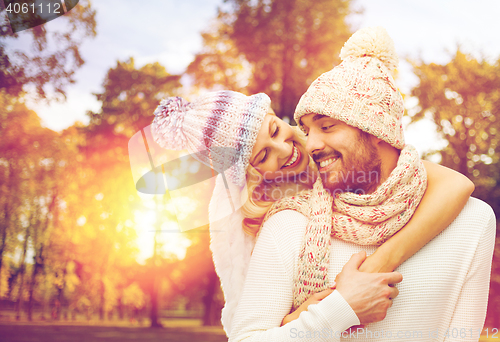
x,y
316,117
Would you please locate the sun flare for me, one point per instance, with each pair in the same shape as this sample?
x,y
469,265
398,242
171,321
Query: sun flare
x,y
170,240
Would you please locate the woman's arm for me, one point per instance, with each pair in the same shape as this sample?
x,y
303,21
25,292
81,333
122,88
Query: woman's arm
x,y
314,299
446,195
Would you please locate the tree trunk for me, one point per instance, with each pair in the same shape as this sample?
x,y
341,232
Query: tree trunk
x,y
120,307
463,168
60,291
39,254
154,303
155,323
21,274
211,315
37,269
103,298
4,240
6,225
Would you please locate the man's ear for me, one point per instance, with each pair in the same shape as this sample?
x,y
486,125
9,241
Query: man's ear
x,y
376,140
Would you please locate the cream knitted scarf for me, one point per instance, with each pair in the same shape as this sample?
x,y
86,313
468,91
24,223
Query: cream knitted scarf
x,y
362,219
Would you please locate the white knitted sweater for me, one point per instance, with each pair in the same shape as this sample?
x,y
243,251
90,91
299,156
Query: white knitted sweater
x,y
231,247
444,289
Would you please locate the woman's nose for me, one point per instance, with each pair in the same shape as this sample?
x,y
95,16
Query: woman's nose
x,y
284,148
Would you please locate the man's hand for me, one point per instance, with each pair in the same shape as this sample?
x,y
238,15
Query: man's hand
x,y
368,294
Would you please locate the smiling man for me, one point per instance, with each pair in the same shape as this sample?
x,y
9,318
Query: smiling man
x,y
352,116
354,165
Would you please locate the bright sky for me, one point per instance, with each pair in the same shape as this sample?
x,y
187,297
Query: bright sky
x,y
168,31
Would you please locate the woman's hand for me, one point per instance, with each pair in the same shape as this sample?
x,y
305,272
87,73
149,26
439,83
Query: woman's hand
x,y
314,299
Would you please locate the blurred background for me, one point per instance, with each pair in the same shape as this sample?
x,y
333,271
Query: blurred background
x,y
79,244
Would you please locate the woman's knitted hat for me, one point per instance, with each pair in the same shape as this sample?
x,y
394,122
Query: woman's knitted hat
x,y
219,128
360,91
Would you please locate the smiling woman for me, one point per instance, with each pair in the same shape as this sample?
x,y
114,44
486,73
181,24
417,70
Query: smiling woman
x,y
279,150
279,167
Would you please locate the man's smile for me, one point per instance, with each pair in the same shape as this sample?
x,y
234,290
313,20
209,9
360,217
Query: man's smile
x,y
325,163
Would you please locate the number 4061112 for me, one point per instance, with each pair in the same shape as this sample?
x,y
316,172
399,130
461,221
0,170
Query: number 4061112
x,y
48,8
493,333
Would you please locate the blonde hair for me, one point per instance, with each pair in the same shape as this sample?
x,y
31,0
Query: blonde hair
x,y
257,202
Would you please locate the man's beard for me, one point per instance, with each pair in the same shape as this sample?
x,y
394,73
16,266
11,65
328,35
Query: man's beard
x,y
359,171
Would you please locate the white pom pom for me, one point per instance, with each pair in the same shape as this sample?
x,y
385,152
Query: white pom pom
x,y
373,42
167,128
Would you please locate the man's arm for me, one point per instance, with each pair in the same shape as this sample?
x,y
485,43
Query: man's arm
x,y
268,292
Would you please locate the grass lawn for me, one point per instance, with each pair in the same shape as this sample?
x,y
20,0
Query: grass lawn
x,y
176,330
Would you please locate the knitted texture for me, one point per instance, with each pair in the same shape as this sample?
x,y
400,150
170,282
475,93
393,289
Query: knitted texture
x,y
362,219
444,289
219,128
360,91
231,247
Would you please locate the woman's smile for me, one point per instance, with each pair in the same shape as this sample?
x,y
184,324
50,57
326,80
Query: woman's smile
x,y
294,158
278,151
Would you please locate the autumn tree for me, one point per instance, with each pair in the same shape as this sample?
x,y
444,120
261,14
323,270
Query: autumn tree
x,y
282,45
198,278
129,98
9,179
33,159
46,69
15,147
45,177
462,98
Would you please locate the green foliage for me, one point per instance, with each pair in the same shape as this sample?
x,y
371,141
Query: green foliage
x,y
280,47
463,99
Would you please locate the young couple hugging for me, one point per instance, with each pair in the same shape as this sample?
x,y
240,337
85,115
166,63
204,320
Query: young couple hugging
x,y
313,201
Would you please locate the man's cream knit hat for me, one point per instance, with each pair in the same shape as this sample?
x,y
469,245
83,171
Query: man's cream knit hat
x,y
360,91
